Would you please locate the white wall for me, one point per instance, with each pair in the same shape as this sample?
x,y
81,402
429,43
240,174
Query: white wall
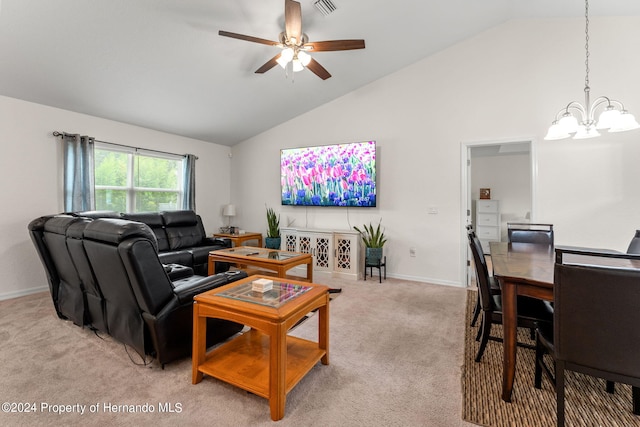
x,y
31,170
503,84
509,178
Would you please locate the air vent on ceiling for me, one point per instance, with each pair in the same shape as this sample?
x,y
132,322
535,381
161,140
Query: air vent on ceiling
x,y
325,7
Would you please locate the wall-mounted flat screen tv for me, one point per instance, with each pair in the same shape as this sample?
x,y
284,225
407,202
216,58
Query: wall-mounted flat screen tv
x,y
329,175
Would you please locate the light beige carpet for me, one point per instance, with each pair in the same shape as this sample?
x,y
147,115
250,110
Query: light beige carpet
x,y
587,403
395,350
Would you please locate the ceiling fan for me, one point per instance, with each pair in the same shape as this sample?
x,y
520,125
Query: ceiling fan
x,y
295,44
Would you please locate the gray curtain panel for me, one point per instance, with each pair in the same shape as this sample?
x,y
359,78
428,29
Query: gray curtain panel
x,y
189,182
79,193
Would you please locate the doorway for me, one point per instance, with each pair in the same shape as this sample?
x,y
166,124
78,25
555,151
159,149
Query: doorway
x,y
508,169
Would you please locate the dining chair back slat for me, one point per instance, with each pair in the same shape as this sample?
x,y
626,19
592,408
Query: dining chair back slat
x,y
518,232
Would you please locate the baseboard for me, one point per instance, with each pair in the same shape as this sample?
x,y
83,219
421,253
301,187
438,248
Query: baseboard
x,y
423,280
319,275
22,292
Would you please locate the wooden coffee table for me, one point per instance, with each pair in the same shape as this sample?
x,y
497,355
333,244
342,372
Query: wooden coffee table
x,y
269,259
265,360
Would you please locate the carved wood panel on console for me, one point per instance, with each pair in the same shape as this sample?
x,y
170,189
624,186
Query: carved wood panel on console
x,y
334,252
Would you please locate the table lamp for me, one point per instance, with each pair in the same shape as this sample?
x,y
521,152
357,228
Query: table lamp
x,y
229,211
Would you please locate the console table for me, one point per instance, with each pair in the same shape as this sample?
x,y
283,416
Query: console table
x,y
239,239
335,252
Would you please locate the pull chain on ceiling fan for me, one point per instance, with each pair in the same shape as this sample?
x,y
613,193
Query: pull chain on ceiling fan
x,y
295,44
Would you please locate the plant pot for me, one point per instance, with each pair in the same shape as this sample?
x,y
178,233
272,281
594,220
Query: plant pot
x,y
272,242
373,255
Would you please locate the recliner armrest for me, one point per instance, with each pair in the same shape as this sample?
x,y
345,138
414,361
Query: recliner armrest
x,y
212,241
177,271
185,289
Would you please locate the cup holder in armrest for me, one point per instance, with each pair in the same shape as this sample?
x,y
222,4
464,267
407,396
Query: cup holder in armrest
x,y
177,271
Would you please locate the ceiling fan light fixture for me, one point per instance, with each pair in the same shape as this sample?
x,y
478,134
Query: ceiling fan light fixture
x,y
287,54
285,57
297,66
294,44
304,58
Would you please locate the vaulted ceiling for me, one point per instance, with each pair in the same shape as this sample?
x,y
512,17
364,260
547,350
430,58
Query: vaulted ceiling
x,y
161,64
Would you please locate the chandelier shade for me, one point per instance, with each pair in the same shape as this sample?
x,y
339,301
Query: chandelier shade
x,y
625,122
578,120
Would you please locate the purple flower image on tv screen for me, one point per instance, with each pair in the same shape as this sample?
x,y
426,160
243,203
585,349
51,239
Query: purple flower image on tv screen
x,y
329,175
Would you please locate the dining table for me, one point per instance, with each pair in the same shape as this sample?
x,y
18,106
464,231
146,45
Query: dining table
x,y
521,269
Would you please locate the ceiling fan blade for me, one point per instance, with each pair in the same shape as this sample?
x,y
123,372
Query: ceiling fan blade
x,y
268,65
318,69
293,20
333,45
247,38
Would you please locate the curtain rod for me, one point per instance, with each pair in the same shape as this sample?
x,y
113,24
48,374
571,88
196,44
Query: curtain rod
x,y
56,133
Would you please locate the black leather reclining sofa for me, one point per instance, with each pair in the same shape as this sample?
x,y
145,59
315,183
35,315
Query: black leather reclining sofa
x,y
180,235
106,273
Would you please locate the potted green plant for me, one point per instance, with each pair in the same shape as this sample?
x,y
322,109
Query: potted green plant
x,y
374,240
273,230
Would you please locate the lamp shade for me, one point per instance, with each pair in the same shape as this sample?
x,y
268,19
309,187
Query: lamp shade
x,y
297,65
229,210
608,118
285,57
584,132
556,132
624,122
304,58
568,123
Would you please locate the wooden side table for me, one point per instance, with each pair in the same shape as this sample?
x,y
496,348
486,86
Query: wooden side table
x,y
239,239
265,360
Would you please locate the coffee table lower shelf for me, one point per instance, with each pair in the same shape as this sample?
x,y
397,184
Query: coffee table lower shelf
x,y
244,362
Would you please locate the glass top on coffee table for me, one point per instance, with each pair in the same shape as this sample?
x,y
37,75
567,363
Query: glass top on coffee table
x,y
261,253
281,292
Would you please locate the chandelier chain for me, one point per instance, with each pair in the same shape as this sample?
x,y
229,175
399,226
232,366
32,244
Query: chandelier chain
x,y
586,46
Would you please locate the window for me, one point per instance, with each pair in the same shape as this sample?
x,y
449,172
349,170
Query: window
x,y
130,180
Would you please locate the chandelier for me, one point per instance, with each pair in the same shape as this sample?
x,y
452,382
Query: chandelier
x,y
579,120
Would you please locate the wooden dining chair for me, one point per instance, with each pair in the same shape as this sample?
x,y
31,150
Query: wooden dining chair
x,y
521,232
495,288
596,317
476,309
530,310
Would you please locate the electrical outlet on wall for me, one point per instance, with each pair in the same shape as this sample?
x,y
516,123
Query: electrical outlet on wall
x,y
412,252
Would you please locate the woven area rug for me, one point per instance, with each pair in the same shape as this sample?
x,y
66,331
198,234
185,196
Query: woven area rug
x,y
587,402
